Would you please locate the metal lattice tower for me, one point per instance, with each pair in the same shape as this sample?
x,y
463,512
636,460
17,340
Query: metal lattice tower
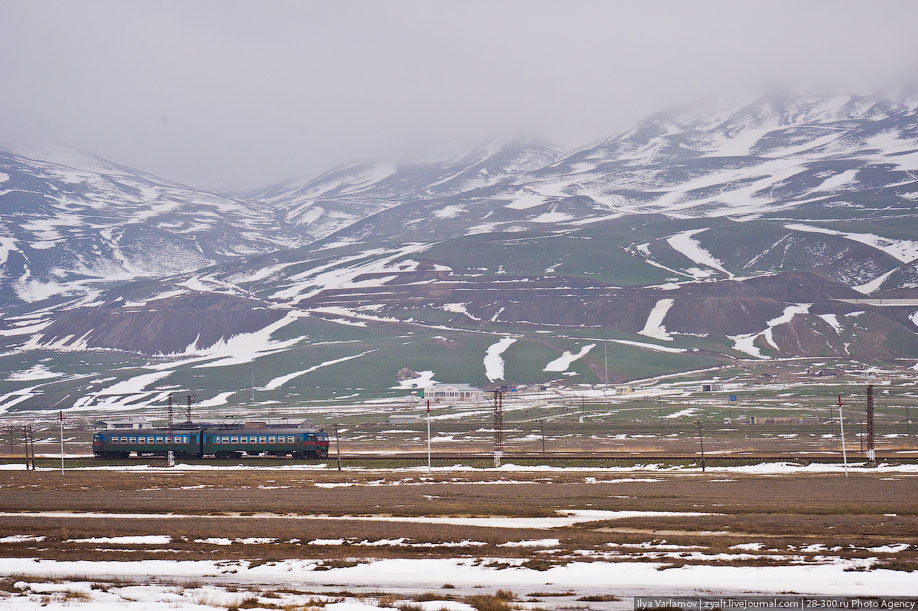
x,y
498,427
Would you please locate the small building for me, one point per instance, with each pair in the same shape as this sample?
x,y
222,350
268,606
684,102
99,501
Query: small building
x,y
130,422
453,393
624,389
710,387
403,419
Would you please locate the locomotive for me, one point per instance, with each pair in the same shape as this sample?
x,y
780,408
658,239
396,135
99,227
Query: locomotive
x,y
197,440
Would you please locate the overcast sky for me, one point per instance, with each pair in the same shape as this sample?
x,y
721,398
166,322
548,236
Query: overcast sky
x,y
241,94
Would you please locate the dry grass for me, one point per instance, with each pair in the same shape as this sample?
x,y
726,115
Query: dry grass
x,y
784,513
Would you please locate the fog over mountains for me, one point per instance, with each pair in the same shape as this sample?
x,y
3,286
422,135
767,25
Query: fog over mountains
x,y
771,228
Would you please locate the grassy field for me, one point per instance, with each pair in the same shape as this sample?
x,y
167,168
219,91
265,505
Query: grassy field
x,y
244,514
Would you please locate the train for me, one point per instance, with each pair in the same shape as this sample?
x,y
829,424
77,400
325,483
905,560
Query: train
x,y
222,441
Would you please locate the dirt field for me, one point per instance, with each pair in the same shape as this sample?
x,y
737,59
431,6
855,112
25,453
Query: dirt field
x,y
264,515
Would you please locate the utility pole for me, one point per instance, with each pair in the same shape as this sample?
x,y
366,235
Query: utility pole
x,y
871,451
25,438
542,424
190,398
428,435
170,455
701,441
605,358
860,433
841,423
338,446
61,418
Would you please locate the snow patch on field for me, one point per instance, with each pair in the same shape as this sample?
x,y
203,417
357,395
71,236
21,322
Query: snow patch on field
x,y
552,217
448,212
746,342
493,362
458,308
423,380
683,413
427,573
36,372
532,543
832,321
875,284
281,380
564,361
903,250
654,326
526,200
130,540
627,342
692,249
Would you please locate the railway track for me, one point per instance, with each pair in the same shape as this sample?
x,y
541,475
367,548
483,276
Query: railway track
x,y
551,458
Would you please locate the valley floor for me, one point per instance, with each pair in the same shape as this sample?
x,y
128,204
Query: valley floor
x,y
451,538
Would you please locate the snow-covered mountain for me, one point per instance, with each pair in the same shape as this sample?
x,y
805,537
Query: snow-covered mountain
x,y
783,226
72,222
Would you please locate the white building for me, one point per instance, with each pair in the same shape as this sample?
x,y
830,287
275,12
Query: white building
x,y
453,393
129,422
404,419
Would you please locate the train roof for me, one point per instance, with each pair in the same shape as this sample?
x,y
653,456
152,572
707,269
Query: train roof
x,y
208,427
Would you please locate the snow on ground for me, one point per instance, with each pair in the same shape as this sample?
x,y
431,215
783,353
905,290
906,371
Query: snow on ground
x,y
220,399
423,380
281,380
774,468
835,578
832,321
875,284
493,362
342,272
692,249
564,361
565,517
129,540
903,250
448,212
551,217
237,349
685,412
532,543
654,326
525,200
746,342
458,308
36,372
628,342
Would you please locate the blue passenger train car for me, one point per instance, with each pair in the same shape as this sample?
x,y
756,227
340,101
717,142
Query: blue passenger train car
x,y
217,441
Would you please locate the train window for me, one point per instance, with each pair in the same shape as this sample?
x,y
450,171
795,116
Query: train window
x,y
234,440
113,439
124,440
159,439
290,439
133,440
271,439
262,439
